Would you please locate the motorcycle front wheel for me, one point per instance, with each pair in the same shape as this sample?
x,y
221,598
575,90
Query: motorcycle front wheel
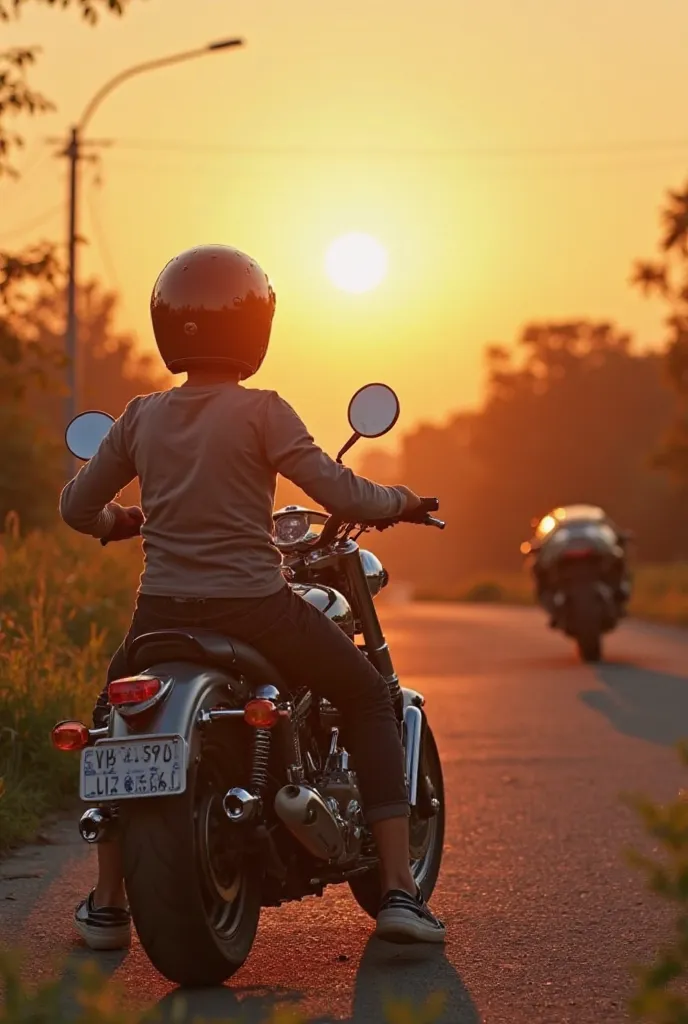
x,y
193,888
426,835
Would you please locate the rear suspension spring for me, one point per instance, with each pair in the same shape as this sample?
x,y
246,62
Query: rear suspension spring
x,y
261,757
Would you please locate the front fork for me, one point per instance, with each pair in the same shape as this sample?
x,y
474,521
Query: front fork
x,y
411,718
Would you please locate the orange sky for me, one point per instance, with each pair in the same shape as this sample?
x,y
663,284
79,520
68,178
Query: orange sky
x,y
445,129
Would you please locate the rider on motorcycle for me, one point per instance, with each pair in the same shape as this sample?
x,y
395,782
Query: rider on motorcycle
x,y
548,527
207,455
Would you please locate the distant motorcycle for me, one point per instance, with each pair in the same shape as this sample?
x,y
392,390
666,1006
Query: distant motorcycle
x,y
579,565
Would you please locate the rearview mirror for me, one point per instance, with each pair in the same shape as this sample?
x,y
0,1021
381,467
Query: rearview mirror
x,y
85,433
373,411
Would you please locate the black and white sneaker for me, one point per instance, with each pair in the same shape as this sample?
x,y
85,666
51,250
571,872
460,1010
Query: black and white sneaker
x,y
103,928
406,918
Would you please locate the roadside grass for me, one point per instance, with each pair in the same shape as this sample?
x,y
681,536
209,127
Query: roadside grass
x,y
63,609
660,994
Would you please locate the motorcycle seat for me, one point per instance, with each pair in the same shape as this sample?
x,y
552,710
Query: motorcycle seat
x,y
202,647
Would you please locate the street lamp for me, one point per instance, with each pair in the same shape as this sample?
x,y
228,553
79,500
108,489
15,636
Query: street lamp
x,y
73,152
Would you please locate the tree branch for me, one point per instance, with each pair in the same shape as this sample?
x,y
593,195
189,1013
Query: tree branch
x,y
89,9
16,95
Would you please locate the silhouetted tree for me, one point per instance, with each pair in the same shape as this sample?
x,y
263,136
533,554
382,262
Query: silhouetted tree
x,y
572,414
16,95
31,376
667,277
29,453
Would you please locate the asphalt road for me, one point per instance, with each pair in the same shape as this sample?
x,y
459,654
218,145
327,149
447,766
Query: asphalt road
x,y
544,916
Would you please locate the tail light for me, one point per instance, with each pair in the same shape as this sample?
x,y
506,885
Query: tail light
x,y
577,553
133,690
70,736
261,713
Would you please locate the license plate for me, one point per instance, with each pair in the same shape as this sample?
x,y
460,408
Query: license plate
x,y
127,769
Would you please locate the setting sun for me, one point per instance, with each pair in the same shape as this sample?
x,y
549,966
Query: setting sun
x,y
356,263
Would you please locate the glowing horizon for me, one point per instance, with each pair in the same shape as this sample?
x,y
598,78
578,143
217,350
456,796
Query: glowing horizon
x,y
501,196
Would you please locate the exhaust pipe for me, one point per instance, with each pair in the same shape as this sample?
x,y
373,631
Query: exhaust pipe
x,y
413,727
98,825
239,805
310,820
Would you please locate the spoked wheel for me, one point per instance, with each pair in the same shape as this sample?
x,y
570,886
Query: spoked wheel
x,y
193,888
426,834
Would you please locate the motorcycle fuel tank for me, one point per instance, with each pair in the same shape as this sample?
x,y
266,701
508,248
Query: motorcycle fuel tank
x,y
328,601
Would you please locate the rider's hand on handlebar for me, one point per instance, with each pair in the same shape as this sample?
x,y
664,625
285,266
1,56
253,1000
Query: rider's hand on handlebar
x,y
413,502
128,522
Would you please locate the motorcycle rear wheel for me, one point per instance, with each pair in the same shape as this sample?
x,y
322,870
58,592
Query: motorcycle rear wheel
x,y
194,893
426,836
590,648
588,632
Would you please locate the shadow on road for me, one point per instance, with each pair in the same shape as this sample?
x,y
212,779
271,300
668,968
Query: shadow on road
x,y
403,973
648,705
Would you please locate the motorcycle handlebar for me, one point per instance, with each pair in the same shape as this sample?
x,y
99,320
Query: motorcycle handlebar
x,y
420,516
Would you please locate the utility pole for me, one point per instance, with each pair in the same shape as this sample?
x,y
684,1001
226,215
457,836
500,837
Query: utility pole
x,y
74,151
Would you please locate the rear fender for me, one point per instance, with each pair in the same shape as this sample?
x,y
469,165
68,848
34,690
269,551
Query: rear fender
x,y
192,688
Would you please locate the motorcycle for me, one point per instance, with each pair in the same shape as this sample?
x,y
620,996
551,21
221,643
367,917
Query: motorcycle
x,y
579,564
228,790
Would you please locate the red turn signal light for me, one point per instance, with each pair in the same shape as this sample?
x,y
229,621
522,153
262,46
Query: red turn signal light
x,y
70,736
133,690
261,713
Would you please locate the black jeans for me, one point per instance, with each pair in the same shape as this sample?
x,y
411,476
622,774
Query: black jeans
x,y
309,650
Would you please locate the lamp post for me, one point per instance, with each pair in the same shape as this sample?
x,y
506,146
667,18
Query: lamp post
x,y
74,153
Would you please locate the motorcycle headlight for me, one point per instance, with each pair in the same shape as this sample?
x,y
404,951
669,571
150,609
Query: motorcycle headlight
x,y
376,575
291,529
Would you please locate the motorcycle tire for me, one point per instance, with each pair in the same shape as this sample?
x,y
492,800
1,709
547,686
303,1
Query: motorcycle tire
x,y
588,634
367,889
590,648
190,930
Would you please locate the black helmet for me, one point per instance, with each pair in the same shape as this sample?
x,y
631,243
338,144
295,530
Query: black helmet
x,y
212,306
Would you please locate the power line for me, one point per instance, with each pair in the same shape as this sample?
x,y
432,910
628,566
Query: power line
x,y
104,248
101,241
203,164
487,152
38,159
37,222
